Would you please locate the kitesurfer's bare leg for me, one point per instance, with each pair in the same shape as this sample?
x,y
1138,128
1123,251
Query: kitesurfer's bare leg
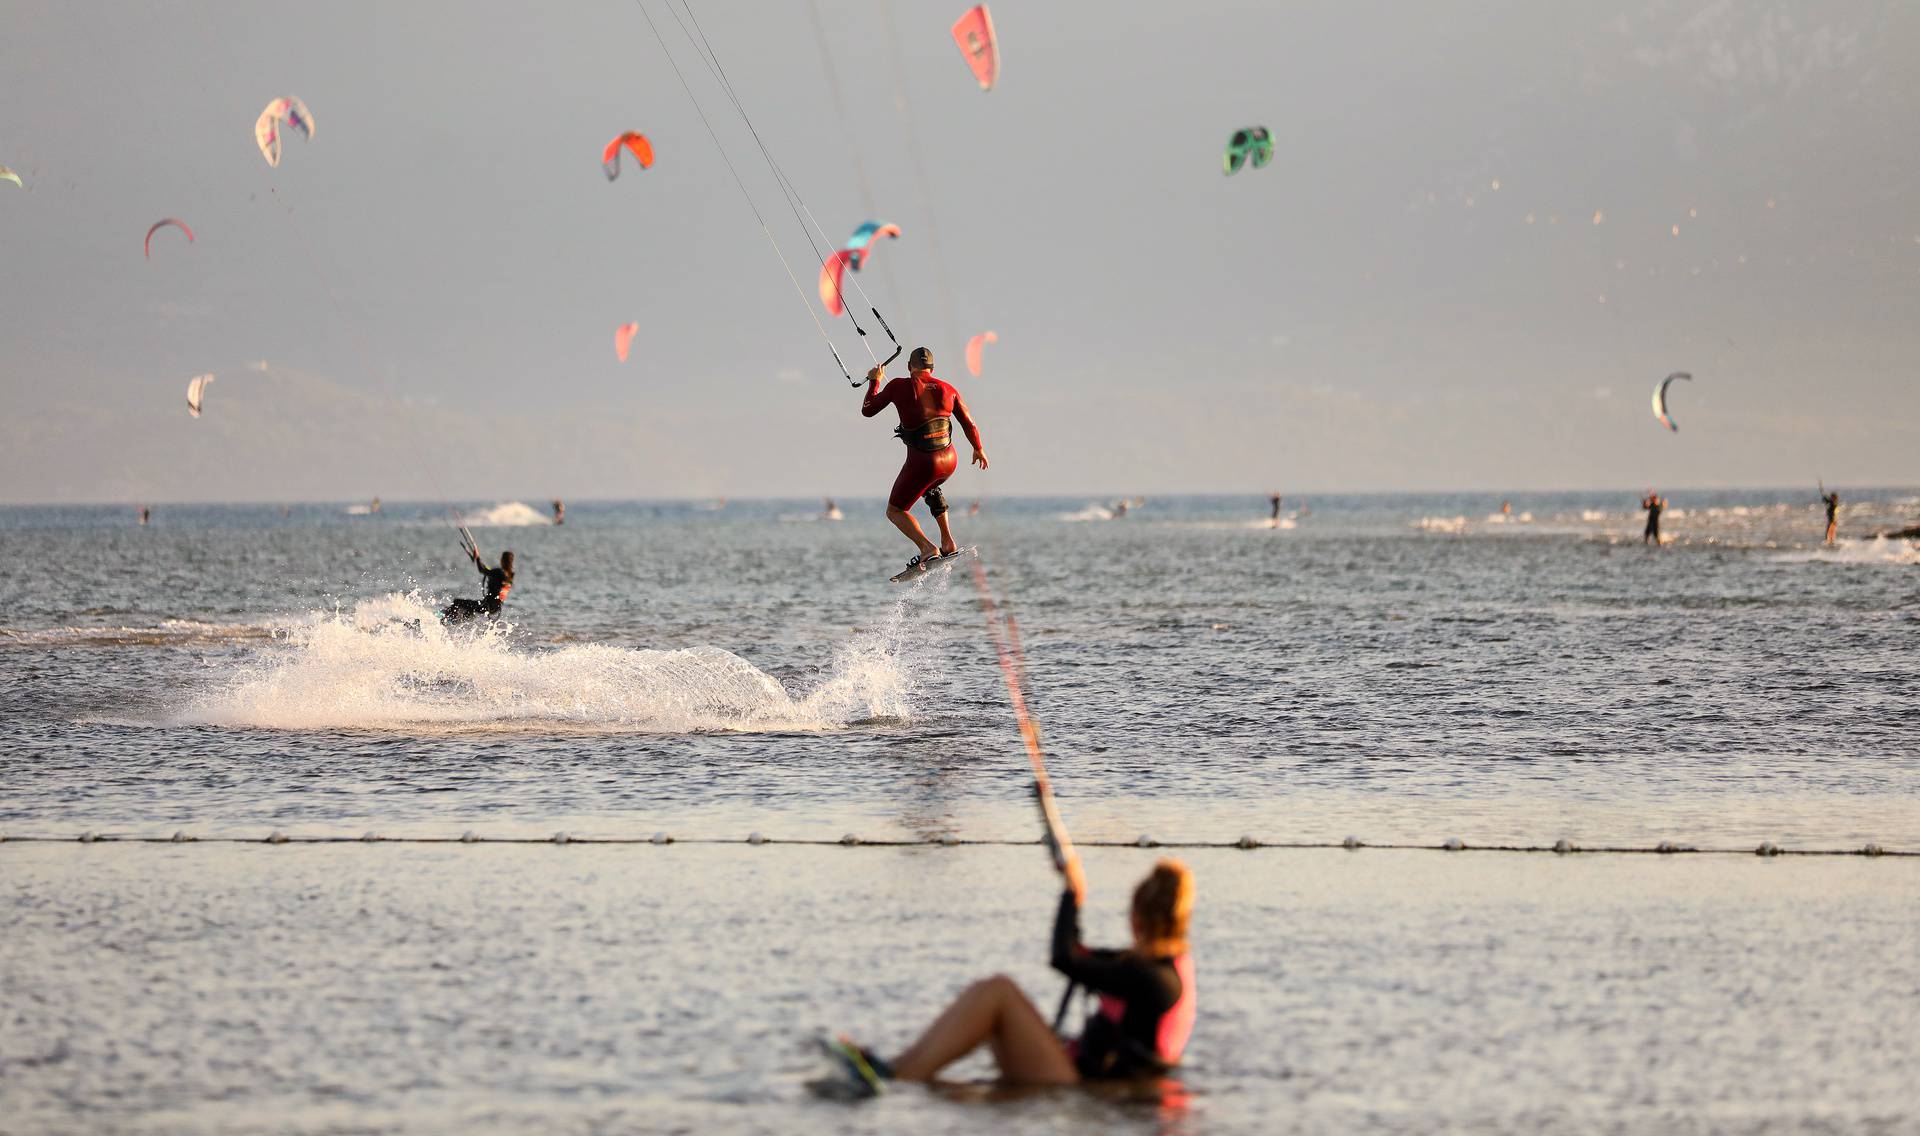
x,y
948,546
994,1012
910,528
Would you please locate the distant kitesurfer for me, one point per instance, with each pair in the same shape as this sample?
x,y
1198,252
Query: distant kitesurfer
x,y
832,512
145,513
1832,502
1145,1014
1506,508
927,407
375,507
1273,502
559,511
1653,503
973,510
495,584
1120,508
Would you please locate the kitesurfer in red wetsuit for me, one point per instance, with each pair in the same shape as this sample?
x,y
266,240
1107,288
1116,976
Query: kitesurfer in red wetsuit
x,y
927,408
1146,1001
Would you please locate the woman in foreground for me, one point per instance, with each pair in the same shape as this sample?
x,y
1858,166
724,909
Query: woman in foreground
x,y
1145,1015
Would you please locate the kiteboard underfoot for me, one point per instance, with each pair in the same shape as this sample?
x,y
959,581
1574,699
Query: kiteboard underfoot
x,y
921,568
852,1076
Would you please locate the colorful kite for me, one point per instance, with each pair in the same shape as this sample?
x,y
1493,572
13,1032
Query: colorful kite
x,y
976,347
161,224
974,33
634,143
266,128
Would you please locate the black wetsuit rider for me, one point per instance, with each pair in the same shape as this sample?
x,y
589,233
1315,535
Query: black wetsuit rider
x,y
1653,503
1130,1035
497,582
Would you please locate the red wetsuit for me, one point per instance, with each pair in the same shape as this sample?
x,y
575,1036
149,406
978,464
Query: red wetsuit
x,y
931,458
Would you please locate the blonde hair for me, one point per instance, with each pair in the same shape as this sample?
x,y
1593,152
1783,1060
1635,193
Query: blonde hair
x,y
1162,904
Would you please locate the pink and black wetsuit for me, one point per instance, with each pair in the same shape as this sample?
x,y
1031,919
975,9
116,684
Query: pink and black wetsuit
x,y
927,407
1146,1004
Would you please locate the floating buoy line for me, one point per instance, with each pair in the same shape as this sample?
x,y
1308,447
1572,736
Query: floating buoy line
x,y
1766,849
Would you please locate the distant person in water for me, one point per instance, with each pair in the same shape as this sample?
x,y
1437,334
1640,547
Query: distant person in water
x,y
973,510
927,408
1506,508
1120,508
145,513
1273,505
375,507
1832,502
1653,503
832,512
559,511
495,584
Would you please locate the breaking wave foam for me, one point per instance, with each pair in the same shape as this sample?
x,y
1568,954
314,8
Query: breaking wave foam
x,y
389,664
513,514
1877,550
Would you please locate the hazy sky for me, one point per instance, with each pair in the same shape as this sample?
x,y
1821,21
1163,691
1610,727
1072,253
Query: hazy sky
x,y
433,280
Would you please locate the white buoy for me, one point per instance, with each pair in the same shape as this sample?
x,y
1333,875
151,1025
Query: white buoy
x,y
755,838
276,837
468,837
369,838
1353,842
1872,850
1564,846
1666,846
180,837
1767,848
949,839
1146,841
850,839
562,838
88,837
1246,842
661,838
1454,844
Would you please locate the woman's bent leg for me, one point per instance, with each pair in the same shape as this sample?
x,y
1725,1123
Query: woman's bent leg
x,y
994,1012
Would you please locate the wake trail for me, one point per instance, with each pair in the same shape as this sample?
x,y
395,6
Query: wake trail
x,y
388,664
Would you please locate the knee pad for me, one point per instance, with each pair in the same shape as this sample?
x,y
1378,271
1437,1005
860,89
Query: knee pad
x,y
936,501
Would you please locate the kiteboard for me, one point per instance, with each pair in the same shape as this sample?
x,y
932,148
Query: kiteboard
x,y
852,1077
921,568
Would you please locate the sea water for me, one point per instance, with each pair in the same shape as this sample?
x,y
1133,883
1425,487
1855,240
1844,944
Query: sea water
x,y
1401,669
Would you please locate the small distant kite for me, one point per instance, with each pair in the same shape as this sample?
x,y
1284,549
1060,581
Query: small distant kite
x,y
196,390
8,175
623,339
634,143
976,347
1660,399
1250,143
266,128
161,224
974,33
853,255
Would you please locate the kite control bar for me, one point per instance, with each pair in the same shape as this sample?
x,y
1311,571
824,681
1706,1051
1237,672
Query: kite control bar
x,y
897,348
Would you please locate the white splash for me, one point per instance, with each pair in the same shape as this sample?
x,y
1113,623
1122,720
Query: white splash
x,y
513,514
1441,524
1877,550
390,665
1090,513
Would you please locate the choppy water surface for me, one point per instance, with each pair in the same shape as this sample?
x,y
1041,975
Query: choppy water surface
x,y
1399,668
583,989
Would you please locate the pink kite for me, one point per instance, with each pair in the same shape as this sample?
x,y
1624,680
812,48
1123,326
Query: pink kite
x,y
623,339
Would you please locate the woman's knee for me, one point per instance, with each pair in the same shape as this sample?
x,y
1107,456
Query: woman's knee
x,y
998,987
